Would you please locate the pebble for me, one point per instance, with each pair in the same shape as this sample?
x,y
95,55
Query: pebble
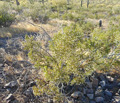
x,y
89,84
108,93
110,79
99,92
102,83
99,99
90,96
10,97
76,94
29,92
1,65
11,84
92,101
117,99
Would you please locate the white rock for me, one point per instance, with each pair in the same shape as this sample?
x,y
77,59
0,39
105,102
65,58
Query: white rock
x,y
11,84
76,94
10,97
111,79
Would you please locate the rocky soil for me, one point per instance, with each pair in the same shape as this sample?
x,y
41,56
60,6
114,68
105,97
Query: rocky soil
x,y
17,79
16,72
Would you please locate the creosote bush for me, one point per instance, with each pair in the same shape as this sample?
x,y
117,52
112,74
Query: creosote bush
x,y
72,57
6,19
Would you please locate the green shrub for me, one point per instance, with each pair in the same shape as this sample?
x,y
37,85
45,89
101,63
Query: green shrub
x,y
54,15
88,27
36,13
71,57
6,19
116,9
68,16
92,16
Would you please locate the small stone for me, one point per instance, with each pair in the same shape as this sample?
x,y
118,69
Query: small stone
x,y
92,101
102,83
118,84
1,43
110,79
50,101
116,94
108,93
22,85
117,99
10,97
89,84
90,96
99,92
119,91
1,60
102,77
84,90
1,65
94,82
76,94
89,91
11,84
70,101
108,86
87,79
32,83
29,92
99,99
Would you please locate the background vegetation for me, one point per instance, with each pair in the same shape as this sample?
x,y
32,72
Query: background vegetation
x,y
78,49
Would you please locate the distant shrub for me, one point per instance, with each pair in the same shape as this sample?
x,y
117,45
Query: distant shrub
x,y
92,16
73,17
58,3
6,19
116,9
100,15
54,15
36,13
68,16
88,27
